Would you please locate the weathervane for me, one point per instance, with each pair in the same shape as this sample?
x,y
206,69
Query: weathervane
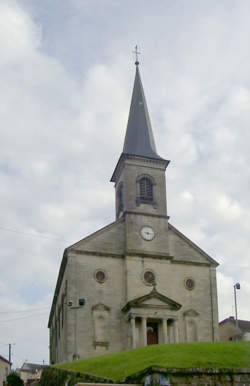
x,y
136,52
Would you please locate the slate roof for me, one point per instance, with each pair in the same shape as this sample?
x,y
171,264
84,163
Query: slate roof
x,y
31,367
139,139
244,325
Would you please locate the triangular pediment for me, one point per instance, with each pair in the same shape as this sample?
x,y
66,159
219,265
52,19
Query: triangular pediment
x,y
107,240
184,250
152,300
191,312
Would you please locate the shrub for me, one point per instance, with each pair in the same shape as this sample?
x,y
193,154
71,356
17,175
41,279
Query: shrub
x,y
13,379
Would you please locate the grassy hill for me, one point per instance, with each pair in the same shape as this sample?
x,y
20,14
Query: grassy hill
x,y
206,355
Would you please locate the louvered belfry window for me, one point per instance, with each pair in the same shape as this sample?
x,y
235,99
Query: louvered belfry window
x,y
120,198
146,189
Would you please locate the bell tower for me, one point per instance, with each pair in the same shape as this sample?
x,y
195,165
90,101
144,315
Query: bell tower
x,y
139,175
140,184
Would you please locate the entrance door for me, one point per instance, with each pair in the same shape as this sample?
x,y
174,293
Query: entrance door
x,y
152,333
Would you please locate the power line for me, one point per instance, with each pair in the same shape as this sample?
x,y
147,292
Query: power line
x,y
24,317
31,234
17,312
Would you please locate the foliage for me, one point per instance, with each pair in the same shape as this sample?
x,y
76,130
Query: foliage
x,y
52,376
183,355
13,379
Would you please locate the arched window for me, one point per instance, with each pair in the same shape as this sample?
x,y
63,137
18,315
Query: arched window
x,y
120,198
146,189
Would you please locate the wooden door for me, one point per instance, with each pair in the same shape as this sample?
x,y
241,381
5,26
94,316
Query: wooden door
x,y
152,333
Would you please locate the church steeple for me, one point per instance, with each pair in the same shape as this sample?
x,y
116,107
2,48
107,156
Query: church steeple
x,y
139,175
139,139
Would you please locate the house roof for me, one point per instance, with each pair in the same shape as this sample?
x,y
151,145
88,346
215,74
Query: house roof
x,y
31,367
4,359
244,325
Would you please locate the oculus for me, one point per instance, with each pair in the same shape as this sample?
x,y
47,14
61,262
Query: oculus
x,y
100,276
189,283
149,277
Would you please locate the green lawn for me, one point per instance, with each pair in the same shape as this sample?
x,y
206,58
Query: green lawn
x,y
207,355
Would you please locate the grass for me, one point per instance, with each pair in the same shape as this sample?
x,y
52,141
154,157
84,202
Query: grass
x,y
206,354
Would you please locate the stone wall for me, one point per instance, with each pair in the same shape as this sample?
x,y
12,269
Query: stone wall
x,y
152,376
193,376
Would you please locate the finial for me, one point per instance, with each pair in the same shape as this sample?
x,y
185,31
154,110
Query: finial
x,y
136,52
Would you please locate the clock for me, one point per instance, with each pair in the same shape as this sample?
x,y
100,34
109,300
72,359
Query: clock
x,y
147,233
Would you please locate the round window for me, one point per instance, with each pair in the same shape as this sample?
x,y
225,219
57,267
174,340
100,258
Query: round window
x,y
149,277
189,284
100,276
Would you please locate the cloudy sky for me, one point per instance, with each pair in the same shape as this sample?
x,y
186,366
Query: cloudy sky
x,y
66,77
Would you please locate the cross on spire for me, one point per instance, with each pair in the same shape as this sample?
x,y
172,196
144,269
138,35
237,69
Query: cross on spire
x,y
136,52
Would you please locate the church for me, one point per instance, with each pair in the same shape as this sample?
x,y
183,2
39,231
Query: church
x,y
137,281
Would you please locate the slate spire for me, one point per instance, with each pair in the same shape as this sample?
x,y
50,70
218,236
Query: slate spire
x,y
139,139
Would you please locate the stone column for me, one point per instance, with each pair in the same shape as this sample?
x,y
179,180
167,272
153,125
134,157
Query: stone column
x,y
176,334
132,324
165,330
144,330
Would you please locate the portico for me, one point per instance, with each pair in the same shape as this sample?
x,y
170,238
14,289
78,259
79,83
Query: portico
x,y
153,319
146,331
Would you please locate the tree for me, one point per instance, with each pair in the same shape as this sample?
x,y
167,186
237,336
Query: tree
x,y
13,379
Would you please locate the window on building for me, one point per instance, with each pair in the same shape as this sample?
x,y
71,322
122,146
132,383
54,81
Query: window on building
x,y
58,323
146,189
120,198
62,310
149,277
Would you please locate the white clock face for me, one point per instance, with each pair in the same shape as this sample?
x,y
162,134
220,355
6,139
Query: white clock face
x,y
147,233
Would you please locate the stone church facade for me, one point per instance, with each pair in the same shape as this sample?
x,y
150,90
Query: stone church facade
x,y
137,281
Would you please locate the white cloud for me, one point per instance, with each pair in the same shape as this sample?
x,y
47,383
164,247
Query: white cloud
x,y
19,36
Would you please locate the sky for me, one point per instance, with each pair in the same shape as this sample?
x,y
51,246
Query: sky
x,y
66,76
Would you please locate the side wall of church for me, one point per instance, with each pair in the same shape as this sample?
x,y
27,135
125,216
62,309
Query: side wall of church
x,y
100,325
59,326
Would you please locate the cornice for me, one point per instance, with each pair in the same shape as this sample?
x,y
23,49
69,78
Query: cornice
x,y
146,214
124,156
150,255
96,253
174,261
